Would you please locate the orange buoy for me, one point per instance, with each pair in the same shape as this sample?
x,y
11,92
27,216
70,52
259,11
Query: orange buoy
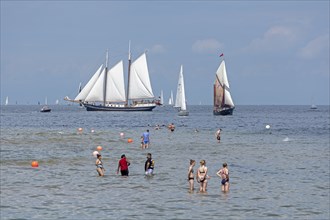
x,y
129,140
34,163
99,148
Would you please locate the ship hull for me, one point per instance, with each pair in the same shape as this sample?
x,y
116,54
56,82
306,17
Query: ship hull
x,y
227,111
90,107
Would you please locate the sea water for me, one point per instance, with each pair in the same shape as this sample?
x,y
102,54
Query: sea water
x,y
276,173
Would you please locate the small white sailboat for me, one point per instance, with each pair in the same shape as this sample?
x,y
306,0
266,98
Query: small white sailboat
x,y
171,99
105,91
7,101
223,103
180,101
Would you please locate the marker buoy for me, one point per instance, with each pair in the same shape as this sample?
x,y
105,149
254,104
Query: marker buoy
x,y
99,148
92,131
80,129
129,140
122,134
267,126
95,153
34,163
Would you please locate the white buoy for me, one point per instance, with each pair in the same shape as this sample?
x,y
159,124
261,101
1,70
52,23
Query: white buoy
x,y
267,126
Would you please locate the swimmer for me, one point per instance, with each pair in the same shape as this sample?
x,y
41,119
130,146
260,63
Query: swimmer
x,y
217,134
99,165
171,127
191,175
145,139
224,175
123,166
202,176
149,165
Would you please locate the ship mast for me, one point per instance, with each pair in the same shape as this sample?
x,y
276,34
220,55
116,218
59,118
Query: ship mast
x,y
105,78
129,72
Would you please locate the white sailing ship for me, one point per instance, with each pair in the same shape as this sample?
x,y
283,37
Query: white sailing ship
x,y
105,91
180,101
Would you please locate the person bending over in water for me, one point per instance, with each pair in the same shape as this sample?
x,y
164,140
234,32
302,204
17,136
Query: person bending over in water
x,y
99,165
149,165
171,127
217,134
191,175
224,175
202,176
123,165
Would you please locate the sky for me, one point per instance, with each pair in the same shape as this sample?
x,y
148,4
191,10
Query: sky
x,y
276,52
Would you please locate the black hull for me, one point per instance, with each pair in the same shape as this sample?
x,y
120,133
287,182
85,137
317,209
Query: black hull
x,y
119,108
227,111
48,110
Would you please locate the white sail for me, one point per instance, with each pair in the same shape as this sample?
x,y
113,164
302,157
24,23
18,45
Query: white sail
x,y
96,94
228,99
7,101
171,100
222,74
115,84
139,85
180,100
161,97
85,91
223,80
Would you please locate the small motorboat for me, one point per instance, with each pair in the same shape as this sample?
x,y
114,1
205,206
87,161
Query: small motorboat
x,y
45,109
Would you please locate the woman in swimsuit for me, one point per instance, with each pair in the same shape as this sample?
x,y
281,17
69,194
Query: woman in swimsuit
x,y
224,175
202,176
191,175
99,165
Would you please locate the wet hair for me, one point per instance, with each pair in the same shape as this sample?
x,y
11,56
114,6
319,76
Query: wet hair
x,y
149,154
98,155
148,130
192,161
122,156
202,162
224,164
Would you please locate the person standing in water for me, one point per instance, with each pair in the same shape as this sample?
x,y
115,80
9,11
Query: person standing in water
x,y
217,134
191,175
224,175
123,166
149,165
99,165
202,176
145,139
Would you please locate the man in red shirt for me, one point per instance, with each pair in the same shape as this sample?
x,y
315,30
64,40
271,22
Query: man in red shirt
x,y
123,165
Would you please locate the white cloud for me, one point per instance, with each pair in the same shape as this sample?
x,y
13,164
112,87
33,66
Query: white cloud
x,y
274,39
315,47
158,48
207,45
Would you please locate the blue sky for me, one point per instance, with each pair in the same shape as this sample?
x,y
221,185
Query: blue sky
x,y
276,52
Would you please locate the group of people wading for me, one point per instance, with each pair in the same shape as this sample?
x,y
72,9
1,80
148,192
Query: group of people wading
x,y
202,176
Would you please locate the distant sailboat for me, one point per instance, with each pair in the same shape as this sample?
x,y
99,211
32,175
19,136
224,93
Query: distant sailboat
x,y
171,99
7,101
223,103
313,106
105,91
45,108
180,101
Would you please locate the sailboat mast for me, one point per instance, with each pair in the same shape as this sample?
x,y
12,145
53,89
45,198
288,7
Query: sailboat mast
x,y
129,72
105,78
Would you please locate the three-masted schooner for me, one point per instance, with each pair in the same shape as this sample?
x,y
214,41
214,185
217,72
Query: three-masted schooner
x,y
223,103
105,91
